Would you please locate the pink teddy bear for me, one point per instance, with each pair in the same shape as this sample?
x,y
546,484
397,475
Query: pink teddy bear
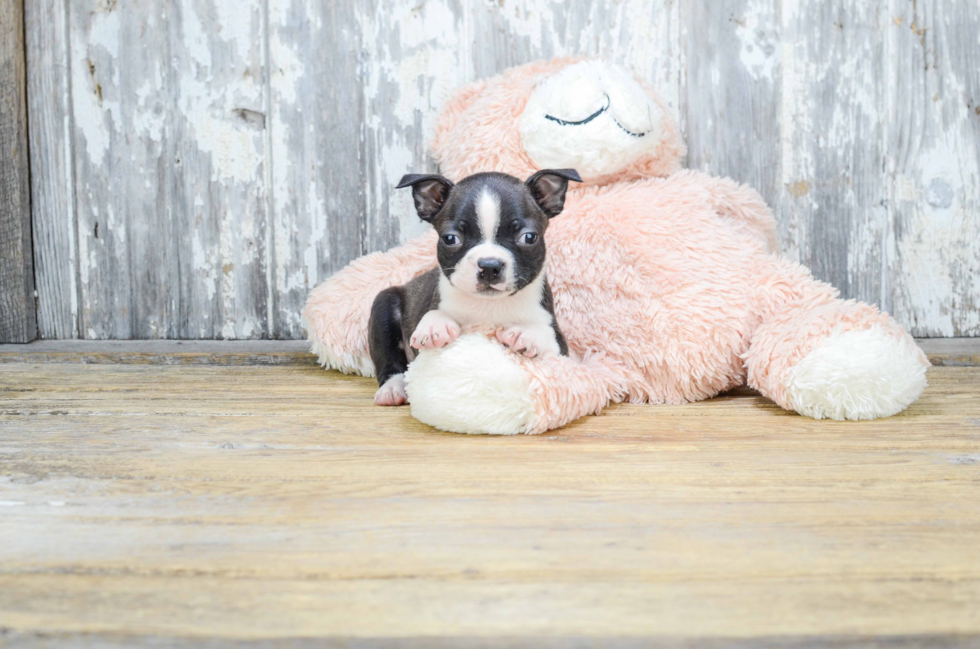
x,y
667,283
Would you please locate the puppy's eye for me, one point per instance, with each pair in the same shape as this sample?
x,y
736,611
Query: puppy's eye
x,y
450,239
529,238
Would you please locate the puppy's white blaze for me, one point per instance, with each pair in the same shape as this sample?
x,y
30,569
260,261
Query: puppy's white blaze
x,y
488,214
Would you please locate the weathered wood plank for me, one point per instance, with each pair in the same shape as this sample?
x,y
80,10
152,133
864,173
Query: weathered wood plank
x,y
731,109
164,352
140,500
169,120
18,317
934,166
124,236
952,352
832,208
52,174
316,144
219,200
108,640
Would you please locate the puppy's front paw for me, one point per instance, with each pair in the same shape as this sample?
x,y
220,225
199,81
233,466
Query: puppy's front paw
x,y
392,393
435,329
529,342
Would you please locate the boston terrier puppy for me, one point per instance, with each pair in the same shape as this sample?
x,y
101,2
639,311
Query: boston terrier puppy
x,y
491,272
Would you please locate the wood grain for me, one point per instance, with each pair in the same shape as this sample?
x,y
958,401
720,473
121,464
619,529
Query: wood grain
x,y
832,203
16,640
235,155
18,320
952,352
257,502
168,118
934,166
731,89
180,352
52,168
317,151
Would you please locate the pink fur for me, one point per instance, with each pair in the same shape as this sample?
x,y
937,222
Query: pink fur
x,y
666,283
799,313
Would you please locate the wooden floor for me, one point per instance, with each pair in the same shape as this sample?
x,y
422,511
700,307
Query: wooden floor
x,y
152,504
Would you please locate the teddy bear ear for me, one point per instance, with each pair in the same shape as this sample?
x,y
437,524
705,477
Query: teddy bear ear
x,y
548,188
430,192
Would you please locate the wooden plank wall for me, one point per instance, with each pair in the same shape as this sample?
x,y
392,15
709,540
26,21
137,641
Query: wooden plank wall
x,y
18,320
199,165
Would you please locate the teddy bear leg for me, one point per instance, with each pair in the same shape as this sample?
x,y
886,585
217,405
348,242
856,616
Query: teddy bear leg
x,y
828,358
477,386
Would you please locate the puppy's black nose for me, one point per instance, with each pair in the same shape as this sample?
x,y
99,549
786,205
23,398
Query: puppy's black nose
x,y
491,269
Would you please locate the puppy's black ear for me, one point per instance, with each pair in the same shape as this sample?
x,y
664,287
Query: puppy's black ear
x,y
548,188
430,192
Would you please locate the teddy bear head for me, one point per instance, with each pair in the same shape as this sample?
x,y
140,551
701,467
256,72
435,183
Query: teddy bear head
x,y
584,114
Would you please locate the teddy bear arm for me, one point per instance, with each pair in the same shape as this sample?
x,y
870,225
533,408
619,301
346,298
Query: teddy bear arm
x,y
337,312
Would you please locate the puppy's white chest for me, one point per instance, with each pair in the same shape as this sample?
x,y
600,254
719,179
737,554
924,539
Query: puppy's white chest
x,y
523,323
522,308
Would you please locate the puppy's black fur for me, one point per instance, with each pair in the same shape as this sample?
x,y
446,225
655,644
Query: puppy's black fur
x,y
394,315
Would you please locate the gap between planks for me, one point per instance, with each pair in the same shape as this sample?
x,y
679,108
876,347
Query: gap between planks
x,y
948,352
123,641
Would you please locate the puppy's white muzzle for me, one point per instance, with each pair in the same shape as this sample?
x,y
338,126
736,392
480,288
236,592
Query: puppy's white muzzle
x,y
487,270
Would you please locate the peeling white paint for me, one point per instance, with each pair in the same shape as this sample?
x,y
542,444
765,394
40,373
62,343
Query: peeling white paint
x,y
195,40
289,69
795,163
94,112
228,330
208,106
318,230
406,87
759,46
233,26
203,261
236,149
938,234
69,192
935,171
150,118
